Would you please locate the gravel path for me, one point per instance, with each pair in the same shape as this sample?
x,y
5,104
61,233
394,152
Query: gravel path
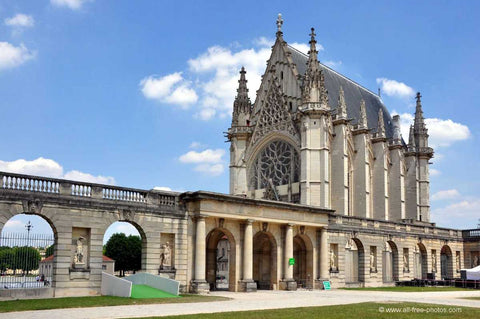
x,y
256,301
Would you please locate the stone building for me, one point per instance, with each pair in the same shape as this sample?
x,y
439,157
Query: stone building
x,y
322,187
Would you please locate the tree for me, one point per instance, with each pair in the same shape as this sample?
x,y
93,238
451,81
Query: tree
x,y
26,258
49,251
6,258
126,251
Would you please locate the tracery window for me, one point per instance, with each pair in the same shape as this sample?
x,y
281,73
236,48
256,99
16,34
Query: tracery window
x,y
279,162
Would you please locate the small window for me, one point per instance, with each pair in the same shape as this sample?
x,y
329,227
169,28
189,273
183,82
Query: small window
x,y
281,75
291,105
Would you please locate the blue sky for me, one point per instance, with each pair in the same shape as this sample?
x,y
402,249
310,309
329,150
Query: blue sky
x,y
138,93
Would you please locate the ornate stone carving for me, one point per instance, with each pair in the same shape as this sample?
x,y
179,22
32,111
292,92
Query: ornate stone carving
x,y
32,206
166,257
264,226
128,215
78,258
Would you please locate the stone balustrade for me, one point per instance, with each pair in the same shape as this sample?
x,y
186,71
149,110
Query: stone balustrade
x,y
66,188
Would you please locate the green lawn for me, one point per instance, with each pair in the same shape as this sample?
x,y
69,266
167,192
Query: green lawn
x,y
100,301
357,311
410,289
144,291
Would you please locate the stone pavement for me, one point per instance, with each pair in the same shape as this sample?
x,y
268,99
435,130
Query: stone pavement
x,y
255,301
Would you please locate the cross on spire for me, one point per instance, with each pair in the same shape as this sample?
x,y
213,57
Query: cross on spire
x,y
279,24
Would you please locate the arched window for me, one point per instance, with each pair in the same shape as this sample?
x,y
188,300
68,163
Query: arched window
x,y
278,162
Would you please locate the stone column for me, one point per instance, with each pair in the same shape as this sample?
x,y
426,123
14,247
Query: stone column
x,y
247,284
199,285
324,254
291,283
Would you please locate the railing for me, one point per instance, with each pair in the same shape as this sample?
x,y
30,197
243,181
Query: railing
x,y
37,184
471,233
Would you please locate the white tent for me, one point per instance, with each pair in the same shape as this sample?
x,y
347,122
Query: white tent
x,y
472,274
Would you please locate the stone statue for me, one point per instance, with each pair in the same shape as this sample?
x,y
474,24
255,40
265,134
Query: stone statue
x,y
434,263
79,254
279,22
475,261
333,265
166,258
405,262
457,262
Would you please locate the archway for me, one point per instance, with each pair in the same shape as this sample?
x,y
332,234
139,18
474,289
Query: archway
x,y
446,262
264,260
125,243
390,262
354,261
420,261
27,252
220,270
303,267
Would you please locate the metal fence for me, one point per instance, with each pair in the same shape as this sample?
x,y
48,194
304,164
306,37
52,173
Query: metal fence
x,y
26,260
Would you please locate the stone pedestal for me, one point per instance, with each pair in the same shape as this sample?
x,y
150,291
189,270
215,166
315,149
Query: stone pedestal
x,y
248,286
167,273
200,287
291,285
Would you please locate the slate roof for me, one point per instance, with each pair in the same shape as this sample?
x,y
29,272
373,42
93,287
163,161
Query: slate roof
x,y
354,93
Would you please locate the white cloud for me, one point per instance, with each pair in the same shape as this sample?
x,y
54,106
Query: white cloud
x,y
162,188
171,88
71,4
12,56
209,161
304,48
442,133
213,170
20,20
196,145
14,225
264,42
50,168
446,194
435,172
206,156
395,88
463,214
332,64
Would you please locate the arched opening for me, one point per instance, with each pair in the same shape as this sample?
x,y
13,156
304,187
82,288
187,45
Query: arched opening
x,y
354,261
124,249
264,260
390,262
220,270
446,262
420,261
27,253
303,267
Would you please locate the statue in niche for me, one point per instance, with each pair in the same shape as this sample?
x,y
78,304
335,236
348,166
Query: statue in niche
x,y
333,263
166,257
79,252
434,262
373,268
457,262
475,261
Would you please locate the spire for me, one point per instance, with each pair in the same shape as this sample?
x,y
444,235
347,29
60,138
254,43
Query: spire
x,y
419,120
312,53
381,124
279,26
242,104
362,122
342,106
411,139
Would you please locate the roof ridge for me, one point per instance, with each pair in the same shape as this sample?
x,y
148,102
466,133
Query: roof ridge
x,y
336,72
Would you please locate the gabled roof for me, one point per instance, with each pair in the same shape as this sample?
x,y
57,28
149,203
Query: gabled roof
x,y
354,93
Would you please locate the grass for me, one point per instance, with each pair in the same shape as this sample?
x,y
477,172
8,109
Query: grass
x,y
410,289
97,301
358,311
144,291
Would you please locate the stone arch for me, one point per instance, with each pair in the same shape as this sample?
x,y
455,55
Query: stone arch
x,y
420,261
303,254
265,272
390,262
34,208
354,261
140,230
214,237
446,262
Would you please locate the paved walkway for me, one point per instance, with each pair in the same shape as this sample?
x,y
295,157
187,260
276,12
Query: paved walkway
x,y
255,301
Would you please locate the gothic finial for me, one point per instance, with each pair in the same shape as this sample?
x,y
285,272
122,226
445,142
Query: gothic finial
x,y
242,104
312,53
279,24
362,122
381,124
342,106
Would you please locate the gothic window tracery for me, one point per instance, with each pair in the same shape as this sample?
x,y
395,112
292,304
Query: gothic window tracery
x,y
278,162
